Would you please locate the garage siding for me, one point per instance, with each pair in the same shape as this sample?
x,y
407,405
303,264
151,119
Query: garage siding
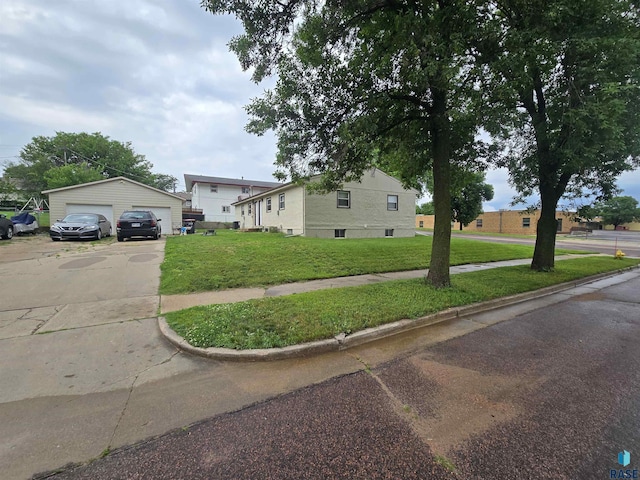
x,y
119,193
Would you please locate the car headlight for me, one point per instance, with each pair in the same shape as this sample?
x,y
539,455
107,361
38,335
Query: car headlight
x,y
55,228
89,227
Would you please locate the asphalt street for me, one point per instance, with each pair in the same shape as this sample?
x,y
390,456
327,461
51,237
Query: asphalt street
x,y
548,394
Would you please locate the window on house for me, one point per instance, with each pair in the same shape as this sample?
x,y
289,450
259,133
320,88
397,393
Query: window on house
x,y
392,202
226,209
213,188
242,210
421,224
245,190
526,222
388,232
339,233
281,201
344,199
478,223
289,231
268,204
249,208
559,224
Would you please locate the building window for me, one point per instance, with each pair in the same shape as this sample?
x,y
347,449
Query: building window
x,y
559,224
344,199
388,232
478,223
242,210
289,231
268,204
226,209
213,188
249,208
339,233
526,222
421,224
392,202
281,201
246,189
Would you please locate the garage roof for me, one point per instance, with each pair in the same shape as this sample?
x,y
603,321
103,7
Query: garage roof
x,y
115,179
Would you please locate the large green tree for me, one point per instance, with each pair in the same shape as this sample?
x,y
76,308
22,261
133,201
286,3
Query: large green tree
x,y
618,210
72,158
567,73
366,83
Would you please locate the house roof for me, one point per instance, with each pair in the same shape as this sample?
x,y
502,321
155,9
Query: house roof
x,y
189,180
115,179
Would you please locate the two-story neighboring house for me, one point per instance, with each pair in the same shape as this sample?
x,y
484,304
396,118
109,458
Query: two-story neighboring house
x,y
377,206
215,195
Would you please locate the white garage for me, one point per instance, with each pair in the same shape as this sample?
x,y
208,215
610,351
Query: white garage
x,y
113,196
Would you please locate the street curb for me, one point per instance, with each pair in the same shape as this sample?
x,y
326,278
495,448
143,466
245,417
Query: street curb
x,y
343,341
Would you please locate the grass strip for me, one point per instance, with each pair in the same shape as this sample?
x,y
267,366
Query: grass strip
x,y
231,259
289,320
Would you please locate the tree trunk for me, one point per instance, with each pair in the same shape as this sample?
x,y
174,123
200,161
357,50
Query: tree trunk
x,y
544,253
438,274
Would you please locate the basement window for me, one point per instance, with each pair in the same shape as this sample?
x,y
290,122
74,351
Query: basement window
x,y
388,232
340,233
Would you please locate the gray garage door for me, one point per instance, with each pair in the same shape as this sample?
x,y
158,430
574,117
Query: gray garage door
x,y
106,210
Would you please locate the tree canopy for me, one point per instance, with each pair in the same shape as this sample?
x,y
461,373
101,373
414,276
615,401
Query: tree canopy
x,y
466,204
73,158
366,83
566,76
618,210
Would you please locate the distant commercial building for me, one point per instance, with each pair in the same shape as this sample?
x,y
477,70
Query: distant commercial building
x,y
520,222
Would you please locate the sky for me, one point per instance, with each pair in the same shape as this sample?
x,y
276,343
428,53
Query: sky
x,y
156,73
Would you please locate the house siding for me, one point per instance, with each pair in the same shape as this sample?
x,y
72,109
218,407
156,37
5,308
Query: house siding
x,y
211,203
367,216
120,194
316,215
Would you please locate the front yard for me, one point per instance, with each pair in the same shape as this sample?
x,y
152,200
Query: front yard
x,y
231,259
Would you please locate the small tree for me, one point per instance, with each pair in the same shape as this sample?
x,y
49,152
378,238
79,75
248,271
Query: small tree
x,y
619,210
466,204
425,209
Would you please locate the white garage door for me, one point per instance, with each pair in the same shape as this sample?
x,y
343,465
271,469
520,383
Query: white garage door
x,y
163,213
106,210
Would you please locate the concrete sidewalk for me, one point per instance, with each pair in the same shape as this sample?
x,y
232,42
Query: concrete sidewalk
x,y
172,303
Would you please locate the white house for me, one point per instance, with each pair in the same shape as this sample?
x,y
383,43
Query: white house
x,y
215,195
111,197
377,206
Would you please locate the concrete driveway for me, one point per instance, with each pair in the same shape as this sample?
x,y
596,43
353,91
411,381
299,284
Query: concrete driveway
x,y
84,368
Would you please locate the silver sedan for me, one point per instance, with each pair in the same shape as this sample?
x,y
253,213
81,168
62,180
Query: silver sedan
x,y
81,225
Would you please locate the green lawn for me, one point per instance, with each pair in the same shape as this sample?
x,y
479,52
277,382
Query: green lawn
x,y
232,259
281,321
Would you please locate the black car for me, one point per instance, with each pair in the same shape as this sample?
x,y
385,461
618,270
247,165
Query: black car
x,y
81,226
138,223
6,228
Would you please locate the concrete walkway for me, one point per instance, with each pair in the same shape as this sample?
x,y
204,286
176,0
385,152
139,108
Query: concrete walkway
x,y
172,303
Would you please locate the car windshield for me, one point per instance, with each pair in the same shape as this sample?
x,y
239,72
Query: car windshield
x,y
135,215
80,218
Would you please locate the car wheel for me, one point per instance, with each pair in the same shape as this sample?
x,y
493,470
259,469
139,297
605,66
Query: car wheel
x,y
55,239
120,239
110,232
8,235
98,234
